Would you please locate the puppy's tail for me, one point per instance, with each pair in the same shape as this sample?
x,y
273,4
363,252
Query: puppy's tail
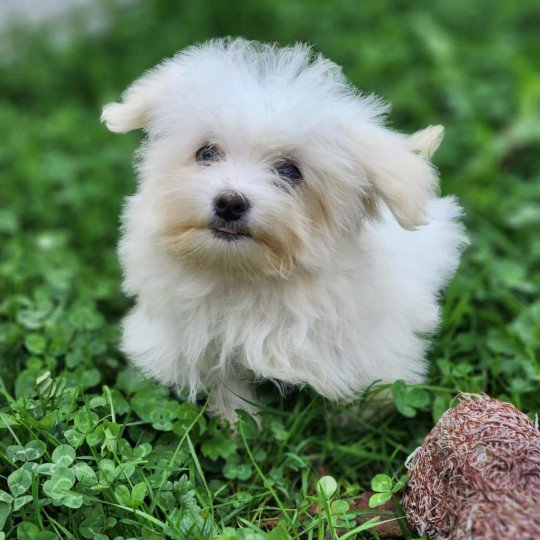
x,y
426,141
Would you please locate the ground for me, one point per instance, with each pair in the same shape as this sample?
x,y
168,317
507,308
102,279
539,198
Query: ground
x,y
87,448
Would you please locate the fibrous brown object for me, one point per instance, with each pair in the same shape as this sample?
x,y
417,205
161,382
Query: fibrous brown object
x,y
477,474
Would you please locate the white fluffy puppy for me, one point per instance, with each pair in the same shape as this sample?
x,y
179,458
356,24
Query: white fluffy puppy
x,y
279,230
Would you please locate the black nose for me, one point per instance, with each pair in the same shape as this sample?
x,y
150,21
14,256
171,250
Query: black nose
x,y
230,205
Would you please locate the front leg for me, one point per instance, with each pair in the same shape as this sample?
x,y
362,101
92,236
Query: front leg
x,y
229,393
152,344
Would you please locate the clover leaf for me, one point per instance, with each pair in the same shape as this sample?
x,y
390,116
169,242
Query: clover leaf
x,y
409,399
327,486
63,455
31,451
19,482
384,487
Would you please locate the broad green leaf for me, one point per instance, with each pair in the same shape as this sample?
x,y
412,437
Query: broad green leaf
x,y
98,401
417,398
130,380
16,453
340,507
122,495
278,430
74,438
400,484
221,445
90,378
399,391
72,500
327,486
9,334
63,455
233,469
85,474
108,434
26,531
30,466
120,404
381,483
47,468
85,317
5,510
34,450
19,502
441,404
92,526
138,493
35,343
248,424
5,497
148,402
142,451
378,499
7,420
187,414
108,470
19,482
61,481
85,420
93,438
48,421
125,470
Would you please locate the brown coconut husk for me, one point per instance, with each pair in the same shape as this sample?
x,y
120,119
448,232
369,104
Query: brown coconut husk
x,y
477,474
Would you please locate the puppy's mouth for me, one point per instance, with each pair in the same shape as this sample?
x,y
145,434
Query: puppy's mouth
x,y
229,233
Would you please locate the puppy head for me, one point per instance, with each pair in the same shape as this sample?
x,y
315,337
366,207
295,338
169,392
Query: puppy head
x,y
263,160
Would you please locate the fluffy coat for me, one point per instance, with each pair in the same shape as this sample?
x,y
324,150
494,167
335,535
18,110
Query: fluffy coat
x,y
335,281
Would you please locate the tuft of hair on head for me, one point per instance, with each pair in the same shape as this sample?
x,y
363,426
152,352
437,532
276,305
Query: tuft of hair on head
x,y
263,62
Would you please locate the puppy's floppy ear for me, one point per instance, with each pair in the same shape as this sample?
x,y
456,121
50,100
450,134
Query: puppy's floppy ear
x,y
399,172
139,100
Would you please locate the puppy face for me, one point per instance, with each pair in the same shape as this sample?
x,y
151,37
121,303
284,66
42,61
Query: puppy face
x,y
263,161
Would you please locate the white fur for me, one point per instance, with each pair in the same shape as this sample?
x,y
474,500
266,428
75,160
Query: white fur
x,y
339,284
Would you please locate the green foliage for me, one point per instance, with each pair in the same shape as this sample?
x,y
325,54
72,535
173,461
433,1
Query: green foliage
x,y
384,488
408,400
88,449
336,514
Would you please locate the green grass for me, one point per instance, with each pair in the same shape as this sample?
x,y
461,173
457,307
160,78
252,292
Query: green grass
x,y
87,448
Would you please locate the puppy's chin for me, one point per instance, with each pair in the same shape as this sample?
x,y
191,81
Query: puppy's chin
x,y
252,255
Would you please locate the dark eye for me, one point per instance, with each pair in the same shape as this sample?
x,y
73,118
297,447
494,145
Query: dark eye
x,y
289,172
208,152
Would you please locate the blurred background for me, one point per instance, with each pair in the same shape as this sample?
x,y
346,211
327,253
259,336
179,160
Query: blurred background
x,y
472,65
